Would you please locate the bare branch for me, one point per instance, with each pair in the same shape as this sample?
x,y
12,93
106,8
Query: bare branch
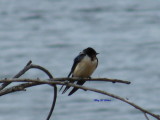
x,y
74,79
21,87
33,83
26,68
16,88
146,116
62,81
93,79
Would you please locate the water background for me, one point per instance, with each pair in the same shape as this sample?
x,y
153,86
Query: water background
x,y
51,33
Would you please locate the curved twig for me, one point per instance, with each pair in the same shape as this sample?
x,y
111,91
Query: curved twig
x,y
55,88
28,66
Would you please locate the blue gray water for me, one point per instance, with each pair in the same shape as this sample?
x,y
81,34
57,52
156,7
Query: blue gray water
x,y
52,32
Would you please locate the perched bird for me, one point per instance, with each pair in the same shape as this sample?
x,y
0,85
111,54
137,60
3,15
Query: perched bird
x,y
83,67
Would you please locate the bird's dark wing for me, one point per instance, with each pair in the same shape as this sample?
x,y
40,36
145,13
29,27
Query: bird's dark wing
x,y
75,89
76,61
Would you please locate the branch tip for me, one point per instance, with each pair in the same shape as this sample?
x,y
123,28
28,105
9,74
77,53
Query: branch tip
x,y
30,62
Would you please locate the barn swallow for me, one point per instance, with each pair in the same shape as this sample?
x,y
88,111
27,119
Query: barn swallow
x,y
83,67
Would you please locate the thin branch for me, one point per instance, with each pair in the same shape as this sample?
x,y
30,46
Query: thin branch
x,y
146,116
28,66
42,69
16,88
93,79
80,87
76,79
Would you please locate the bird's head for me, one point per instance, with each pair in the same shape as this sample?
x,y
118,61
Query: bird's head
x,y
90,52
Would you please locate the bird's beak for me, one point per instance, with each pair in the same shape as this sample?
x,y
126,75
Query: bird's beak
x,y
97,53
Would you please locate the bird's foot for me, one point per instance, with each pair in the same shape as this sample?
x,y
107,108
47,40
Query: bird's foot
x,y
66,82
84,90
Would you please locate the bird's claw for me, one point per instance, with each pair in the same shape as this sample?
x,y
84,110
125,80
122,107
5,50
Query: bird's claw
x,y
66,82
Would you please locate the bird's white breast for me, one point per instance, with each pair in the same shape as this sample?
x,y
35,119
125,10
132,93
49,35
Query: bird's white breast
x,y
85,67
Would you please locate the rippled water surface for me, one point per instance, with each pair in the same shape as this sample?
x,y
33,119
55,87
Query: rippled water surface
x,y
52,32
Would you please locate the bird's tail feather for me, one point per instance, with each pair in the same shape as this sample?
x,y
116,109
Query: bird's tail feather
x,y
61,88
75,89
63,85
67,87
